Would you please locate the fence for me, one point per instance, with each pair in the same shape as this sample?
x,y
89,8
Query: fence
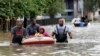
x,y
7,25
47,21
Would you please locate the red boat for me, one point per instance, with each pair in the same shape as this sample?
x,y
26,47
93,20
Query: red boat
x,y
38,40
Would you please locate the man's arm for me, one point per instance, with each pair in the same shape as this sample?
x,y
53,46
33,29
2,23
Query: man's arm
x,y
12,35
70,35
27,30
69,32
38,26
53,33
25,33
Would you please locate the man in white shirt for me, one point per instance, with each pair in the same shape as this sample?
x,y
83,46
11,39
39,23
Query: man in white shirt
x,y
60,31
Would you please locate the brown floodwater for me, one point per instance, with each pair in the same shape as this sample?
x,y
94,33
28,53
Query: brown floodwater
x,y
86,42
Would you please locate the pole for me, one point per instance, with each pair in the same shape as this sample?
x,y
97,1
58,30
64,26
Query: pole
x,y
81,6
75,8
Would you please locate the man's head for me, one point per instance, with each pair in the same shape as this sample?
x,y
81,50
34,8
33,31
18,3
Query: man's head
x,y
61,22
19,24
33,22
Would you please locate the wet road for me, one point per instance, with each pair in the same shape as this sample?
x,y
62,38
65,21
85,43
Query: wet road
x,y
85,42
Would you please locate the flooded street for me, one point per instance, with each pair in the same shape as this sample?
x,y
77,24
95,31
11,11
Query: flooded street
x,y
85,42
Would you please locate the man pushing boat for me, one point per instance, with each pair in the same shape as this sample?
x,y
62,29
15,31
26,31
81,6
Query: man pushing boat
x,y
61,31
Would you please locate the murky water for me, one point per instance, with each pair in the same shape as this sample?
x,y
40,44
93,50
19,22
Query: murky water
x,y
85,42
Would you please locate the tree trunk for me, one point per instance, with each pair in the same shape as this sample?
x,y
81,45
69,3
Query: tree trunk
x,y
8,24
4,25
0,23
12,23
25,22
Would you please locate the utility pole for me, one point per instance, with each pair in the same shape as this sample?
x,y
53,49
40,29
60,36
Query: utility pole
x,y
75,8
82,1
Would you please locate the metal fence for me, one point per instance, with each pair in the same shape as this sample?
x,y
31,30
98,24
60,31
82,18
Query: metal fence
x,y
47,21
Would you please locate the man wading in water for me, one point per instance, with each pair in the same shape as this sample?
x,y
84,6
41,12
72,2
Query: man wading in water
x,y
60,31
17,33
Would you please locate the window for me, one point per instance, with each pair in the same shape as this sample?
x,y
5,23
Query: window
x,y
70,13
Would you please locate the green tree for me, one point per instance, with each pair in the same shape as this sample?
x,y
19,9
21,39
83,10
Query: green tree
x,y
30,8
98,3
54,6
18,8
90,5
36,7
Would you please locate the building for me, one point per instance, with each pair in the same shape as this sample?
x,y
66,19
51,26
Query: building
x,y
96,14
74,8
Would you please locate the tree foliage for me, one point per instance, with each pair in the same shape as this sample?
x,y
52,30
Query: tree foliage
x,y
54,6
18,8
92,5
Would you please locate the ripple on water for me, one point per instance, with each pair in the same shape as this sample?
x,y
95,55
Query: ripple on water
x,y
34,53
82,41
97,47
4,43
14,54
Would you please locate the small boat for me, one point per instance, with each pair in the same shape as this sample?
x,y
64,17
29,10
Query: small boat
x,y
38,40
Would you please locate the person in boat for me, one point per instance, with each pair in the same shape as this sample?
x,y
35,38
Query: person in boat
x,y
84,21
32,28
60,31
42,33
18,32
76,21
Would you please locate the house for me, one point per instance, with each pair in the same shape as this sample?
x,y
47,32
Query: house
x,y
74,8
97,14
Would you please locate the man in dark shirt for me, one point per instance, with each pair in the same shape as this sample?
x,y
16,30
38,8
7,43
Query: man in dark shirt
x,y
17,33
32,28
